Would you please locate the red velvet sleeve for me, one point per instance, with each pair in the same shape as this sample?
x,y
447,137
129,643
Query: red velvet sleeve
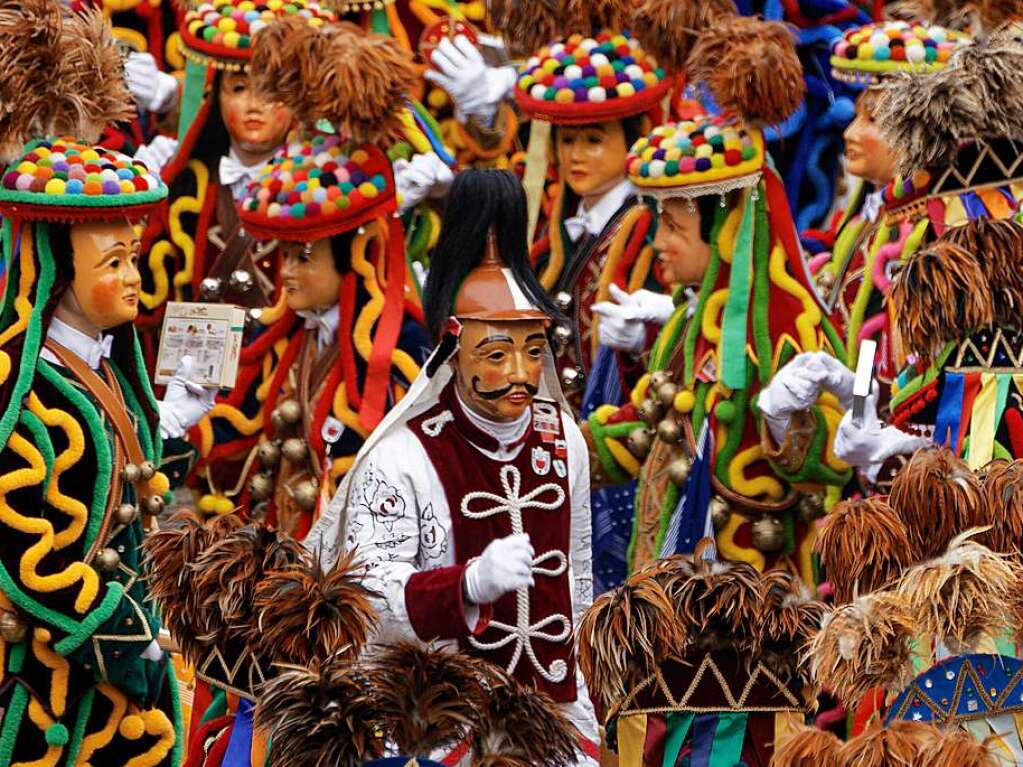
x,y
433,600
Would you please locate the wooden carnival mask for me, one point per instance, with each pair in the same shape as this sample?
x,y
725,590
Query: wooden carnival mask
x,y
591,158
498,366
105,291
310,278
681,251
256,127
868,155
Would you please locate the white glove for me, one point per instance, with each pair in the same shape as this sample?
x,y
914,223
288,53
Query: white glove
x,y
184,403
798,385
506,565
157,153
867,447
622,324
475,88
425,176
153,90
153,652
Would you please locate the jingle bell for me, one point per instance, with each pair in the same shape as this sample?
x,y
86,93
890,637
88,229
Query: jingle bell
x,y
562,335
12,628
290,411
108,560
658,379
640,442
810,507
147,470
252,317
563,300
768,534
294,450
572,378
125,514
269,454
210,289
241,281
670,431
305,495
720,513
651,411
260,487
678,470
151,505
666,394
130,474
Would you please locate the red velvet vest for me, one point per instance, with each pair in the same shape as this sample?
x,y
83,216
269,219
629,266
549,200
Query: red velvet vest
x,y
530,632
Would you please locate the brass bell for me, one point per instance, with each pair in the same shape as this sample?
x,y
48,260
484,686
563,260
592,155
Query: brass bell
x,y
651,411
563,300
260,487
678,470
241,281
666,394
639,442
130,474
305,494
269,454
562,335
670,431
252,317
12,628
290,411
720,512
277,421
572,379
147,470
125,514
658,379
810,507
295,450
108,560
768,534
210,289
151,505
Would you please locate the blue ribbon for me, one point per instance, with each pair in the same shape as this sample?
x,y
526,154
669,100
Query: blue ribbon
x,y
239,748
704,731
950,411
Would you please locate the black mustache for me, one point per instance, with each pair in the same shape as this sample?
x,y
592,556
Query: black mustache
x,y
498,393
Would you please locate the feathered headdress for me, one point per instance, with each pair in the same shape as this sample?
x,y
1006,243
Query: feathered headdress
x,y
997,245
669,28
1003,492
958,747
898,745
810,747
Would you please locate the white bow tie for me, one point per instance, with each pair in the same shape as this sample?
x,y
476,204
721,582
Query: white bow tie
x,y
236,175
100,351
872,206
321,322
581,224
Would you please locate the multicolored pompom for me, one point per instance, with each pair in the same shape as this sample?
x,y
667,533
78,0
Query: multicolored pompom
x,y
313,189
65,173
586,79
220,32
704,150
863,55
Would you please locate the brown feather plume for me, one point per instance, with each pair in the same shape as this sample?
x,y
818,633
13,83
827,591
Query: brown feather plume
x,y
1003,493
963,595
520,724
425,699
809,747
722,602
936,496
864,644
319,717
927,117
997,245
958,747
588,16
668,29
788,620
355,80
994,15
863,545
941,294
527,25
751,67
898,745
304,612
625,635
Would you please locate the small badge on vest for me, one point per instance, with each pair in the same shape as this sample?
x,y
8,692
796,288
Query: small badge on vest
x,y
332,430
546,418
541,461
561,448
560,468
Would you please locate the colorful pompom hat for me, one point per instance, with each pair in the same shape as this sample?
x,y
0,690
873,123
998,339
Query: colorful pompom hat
x,y
865,55
313,188
582,80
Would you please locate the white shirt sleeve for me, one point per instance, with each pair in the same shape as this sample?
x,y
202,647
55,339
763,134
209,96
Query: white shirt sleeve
x,y
581,542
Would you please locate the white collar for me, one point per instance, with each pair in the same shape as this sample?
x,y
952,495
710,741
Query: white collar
x,y
507,433
593,220
234,173
872,203
92,350
325,321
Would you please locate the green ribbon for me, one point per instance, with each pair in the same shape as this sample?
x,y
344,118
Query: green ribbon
x,y
678,725
192,96
728,740
736,315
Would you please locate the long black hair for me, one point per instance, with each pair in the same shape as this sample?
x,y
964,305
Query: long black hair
x,y
480,200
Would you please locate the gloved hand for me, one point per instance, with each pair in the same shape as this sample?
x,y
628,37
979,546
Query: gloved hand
x,y
157,153
153,90
475,88
622,324
797,386
867,447
184,403
506,565
152,652
425,176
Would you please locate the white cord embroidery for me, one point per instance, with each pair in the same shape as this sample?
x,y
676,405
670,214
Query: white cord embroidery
x,y
523,632
434,426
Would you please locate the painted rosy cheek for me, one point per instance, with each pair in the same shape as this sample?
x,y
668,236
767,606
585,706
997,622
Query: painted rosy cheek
x,y
106,295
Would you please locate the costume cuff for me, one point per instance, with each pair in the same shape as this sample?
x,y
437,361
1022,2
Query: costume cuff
x,y
436,608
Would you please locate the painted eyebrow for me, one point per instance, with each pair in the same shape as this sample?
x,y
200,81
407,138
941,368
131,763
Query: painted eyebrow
x,y
536,337
129,246
493,339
